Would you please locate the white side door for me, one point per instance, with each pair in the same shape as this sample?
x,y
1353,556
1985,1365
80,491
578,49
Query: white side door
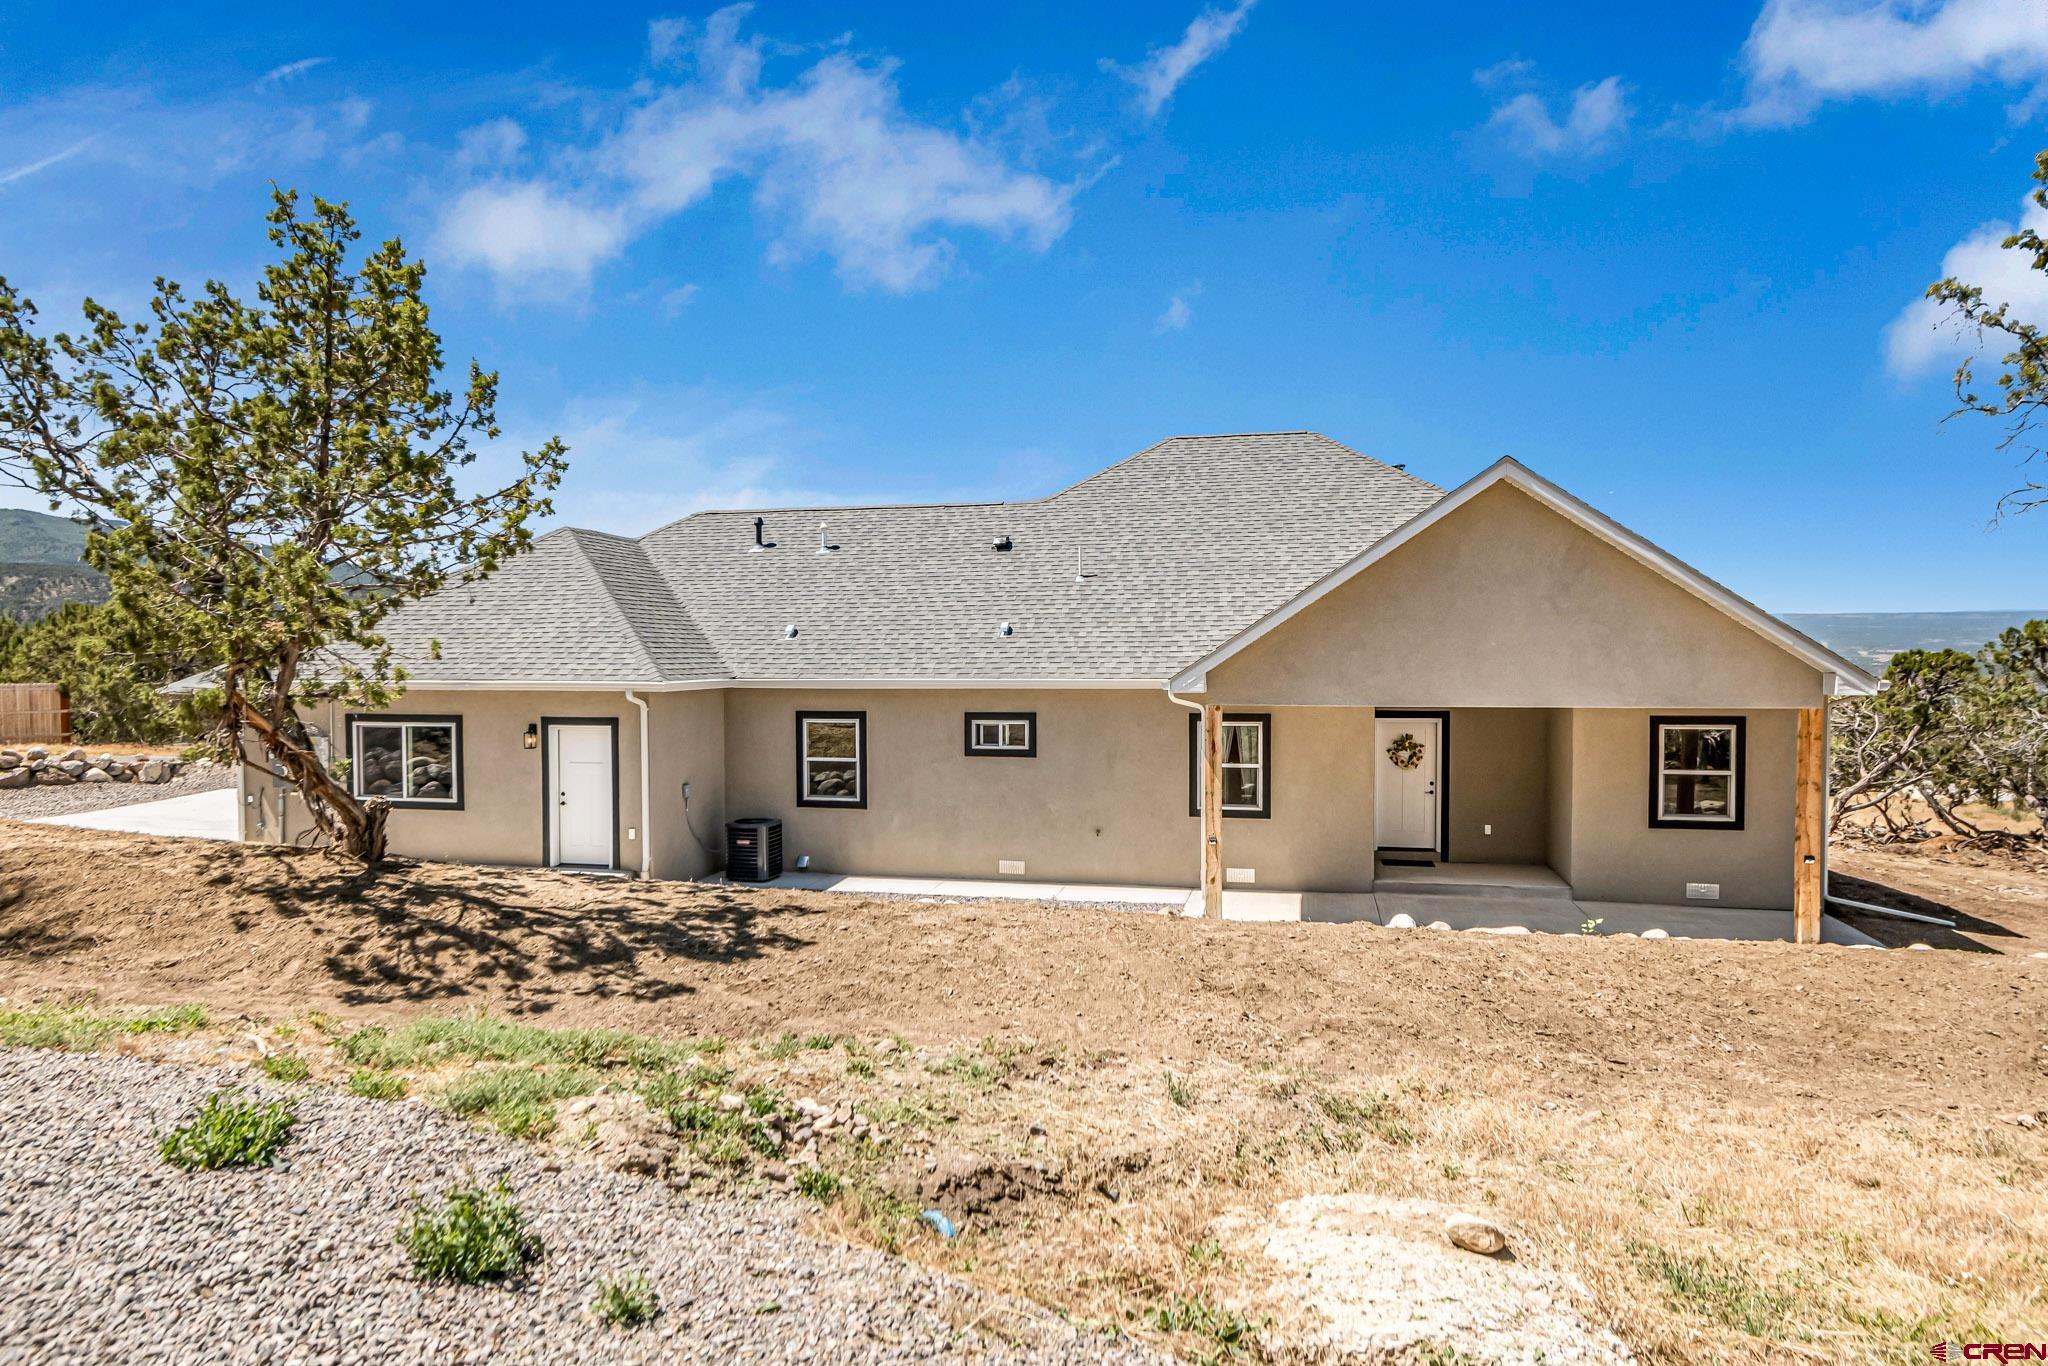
x,y
1404,799
580,802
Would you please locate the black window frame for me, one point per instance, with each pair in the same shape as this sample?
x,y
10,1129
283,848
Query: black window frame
x,y
1739,753
1264,720
353,719
860,760
1030,749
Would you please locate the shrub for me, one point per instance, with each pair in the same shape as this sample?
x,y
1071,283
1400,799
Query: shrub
x,y
371,1084
73,1030
284,1067
817,1183
229,1131
625,1302
1180,1091
518,1101
480,1038
1231,1331
474,1235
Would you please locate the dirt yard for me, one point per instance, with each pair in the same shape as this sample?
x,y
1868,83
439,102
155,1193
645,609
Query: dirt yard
x,y
1734,1150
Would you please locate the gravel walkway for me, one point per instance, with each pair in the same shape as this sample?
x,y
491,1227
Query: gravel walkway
x,y
107,1254
28,803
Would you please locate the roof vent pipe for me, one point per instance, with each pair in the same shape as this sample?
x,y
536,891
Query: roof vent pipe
x,y
759,542
825,546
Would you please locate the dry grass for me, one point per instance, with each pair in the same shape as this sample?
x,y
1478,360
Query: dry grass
x,y
1698,1231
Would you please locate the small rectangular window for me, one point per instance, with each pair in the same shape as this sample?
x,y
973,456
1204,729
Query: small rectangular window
x,y
1004,733
408,760
1696,772
1247,764
831,758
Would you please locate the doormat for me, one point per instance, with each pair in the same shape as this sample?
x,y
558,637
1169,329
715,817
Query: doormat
x,y
1407,862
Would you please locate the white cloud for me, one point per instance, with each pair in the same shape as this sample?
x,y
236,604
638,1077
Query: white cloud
x,y
676,300
528,236
27,169
1595,120
838,166
278,75
1513,71
1802,53
1179,312
1164,68
1926,333
494,143
649,455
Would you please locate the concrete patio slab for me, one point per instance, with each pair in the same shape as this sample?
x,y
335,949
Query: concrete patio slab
x,y
214,815
1534,909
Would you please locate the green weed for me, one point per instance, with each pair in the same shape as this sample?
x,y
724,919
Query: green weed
x,y
228,1131
624,1302
473,1235
519,1101
374,1085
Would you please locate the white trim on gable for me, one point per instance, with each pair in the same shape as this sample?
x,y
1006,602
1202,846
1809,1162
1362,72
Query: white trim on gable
x,y
1839,676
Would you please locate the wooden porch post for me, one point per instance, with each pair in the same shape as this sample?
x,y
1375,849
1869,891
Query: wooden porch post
x,y
1809,824
1212,812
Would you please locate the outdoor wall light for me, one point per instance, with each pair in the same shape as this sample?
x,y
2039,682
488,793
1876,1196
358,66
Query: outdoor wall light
x,y
532,737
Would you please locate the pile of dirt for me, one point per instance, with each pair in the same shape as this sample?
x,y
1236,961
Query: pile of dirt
x,y
269,930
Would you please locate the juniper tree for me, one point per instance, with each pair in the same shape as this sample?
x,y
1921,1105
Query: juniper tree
x,y
266,481
2022,384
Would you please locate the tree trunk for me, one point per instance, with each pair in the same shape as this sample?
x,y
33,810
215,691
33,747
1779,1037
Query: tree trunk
x,y
353,826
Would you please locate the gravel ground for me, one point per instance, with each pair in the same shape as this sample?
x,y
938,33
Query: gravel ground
x,y
107,1254
28,803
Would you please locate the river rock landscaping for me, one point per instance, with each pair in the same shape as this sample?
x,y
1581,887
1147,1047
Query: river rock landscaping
x,y
109,1254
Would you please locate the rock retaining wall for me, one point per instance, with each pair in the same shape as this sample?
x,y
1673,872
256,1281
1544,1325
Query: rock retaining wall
x,y
37,766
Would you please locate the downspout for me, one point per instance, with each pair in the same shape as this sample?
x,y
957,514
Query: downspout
x,y
1201,738
646,816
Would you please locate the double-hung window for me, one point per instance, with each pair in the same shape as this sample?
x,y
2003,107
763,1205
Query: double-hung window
x,y
832,758
1003,733
1696,772
1247,752
408,760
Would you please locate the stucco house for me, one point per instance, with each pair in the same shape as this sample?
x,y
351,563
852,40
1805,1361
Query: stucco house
x,y
1254,660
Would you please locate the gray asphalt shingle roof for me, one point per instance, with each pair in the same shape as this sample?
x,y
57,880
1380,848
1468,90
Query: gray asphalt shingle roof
x,y
1130,574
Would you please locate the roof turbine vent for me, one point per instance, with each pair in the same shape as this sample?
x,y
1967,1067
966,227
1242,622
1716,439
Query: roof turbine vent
x,y
789,632
1000,543
1008,630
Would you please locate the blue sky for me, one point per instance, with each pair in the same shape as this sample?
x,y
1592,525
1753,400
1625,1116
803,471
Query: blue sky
x,y
1668,256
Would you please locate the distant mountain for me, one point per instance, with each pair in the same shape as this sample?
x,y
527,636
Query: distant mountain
x,y
39,538
42,565
1872,638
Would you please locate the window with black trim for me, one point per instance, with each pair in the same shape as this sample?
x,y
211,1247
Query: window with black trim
x,y
831,758
408,760
1247,764
1004,734
1696,775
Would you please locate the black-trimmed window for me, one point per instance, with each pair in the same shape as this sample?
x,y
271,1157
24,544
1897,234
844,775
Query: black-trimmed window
x,y
408,760
1696,772
1247,764
832,758
1004,734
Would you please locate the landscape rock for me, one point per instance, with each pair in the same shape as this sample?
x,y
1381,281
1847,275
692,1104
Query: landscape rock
x,y
1370,1278
9,759
1401,921
72,766
54,777
16,777
152,772
95,775
74,755
1656,934
1474,1234
35,752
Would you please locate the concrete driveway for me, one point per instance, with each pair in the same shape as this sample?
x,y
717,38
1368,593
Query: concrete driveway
x,y
211,815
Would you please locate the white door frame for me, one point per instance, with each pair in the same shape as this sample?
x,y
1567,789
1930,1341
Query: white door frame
x,y
1442,758
550,798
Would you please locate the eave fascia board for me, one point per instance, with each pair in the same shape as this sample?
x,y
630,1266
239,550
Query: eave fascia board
x,y
707,684
1850,680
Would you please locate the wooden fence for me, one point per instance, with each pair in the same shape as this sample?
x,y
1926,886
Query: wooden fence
x,y
34,713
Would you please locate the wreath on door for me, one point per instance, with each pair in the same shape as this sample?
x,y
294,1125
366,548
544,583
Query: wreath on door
x,y
1406,751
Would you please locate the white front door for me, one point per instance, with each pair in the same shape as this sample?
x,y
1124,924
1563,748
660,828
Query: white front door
x,y
1405,797
580,799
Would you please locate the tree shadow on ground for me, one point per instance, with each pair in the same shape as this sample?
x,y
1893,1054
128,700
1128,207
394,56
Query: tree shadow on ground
x,y
412,932
1899,933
